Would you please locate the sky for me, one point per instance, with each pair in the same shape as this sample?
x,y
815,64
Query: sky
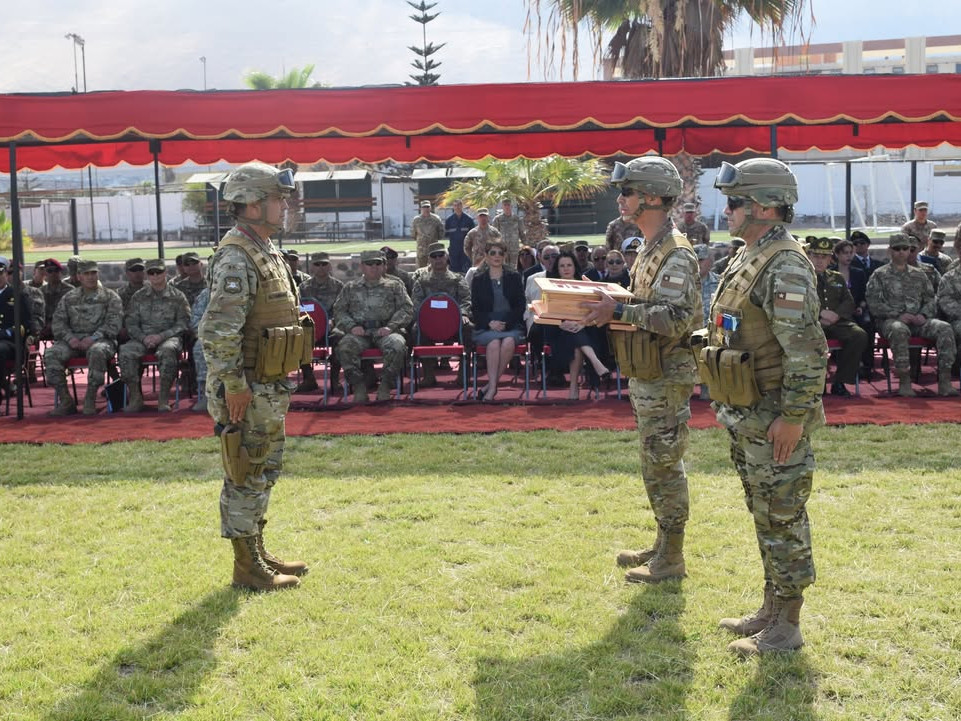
x,y
139,45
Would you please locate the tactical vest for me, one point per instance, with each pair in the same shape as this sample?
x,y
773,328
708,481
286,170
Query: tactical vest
x,y
273,326
753,332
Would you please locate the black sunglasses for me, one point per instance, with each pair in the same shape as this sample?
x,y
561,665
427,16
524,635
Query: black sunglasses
x,y
191,262
628,192
320,262
615,262
550,256
735,203
440,254
900,248
373,262
155,271
495,251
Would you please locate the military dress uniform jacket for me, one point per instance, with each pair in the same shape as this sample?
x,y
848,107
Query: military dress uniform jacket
x,y
892,292
7,308
97,314
834,295
151,313
383,303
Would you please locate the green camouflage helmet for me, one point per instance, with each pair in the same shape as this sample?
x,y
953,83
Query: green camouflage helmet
x,y
766,181
256,181
650,175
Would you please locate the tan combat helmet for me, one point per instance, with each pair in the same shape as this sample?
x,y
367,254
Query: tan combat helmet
x,y
767,181
256,181
650,175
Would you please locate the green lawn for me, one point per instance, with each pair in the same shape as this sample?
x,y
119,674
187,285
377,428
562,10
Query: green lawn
x,y
469,577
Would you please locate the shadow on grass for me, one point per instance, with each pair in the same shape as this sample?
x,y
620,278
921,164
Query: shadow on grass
x,y
158,676
642,667
784,687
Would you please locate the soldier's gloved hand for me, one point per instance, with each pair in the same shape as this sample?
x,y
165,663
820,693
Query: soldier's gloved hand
x,y
237,404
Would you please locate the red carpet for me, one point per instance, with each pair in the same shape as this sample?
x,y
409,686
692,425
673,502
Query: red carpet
x,y
441,410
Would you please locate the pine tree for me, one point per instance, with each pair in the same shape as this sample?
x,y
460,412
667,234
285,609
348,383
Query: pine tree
x,y
423,62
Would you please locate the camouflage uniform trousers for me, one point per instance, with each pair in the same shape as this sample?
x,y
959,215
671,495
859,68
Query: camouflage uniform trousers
x,y
168,358
898,333
200,364
393,346
956,327
662,411
242,507
776,495
98,358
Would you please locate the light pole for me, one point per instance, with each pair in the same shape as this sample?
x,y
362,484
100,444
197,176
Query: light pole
x,y
77,40
203,59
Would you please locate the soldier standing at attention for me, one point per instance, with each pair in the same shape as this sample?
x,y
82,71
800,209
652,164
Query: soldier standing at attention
x,y
512,232
694,229
902,301
477,238
656,357
85,324
156,319
425,229
764,363
253,338
919,226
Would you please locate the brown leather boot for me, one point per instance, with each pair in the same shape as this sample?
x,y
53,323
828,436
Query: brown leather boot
x,y
134,398
782,633
66,405
252,573
904,384
90,401
755,622
633,559
667,562
290,568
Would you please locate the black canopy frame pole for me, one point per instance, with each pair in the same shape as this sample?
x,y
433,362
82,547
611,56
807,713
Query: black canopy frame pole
x,y
155,149
16,280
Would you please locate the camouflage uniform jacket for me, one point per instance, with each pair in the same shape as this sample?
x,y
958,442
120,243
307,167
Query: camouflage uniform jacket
x,y
151,313
52,295
324,292
383,303
126,293
949,295
941,262
475,243
696,232
404,277
189,288
37,306
892,292
834,294
427,283
426,231
709,284
97,314
786,292
921,231
512,232
934,276
618,230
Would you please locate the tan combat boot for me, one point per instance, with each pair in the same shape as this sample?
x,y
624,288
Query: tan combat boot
x,y
383,391
360,392
944,384
134,399
755,622
66,405
90,401
252,573
904,384
667,562
163,395
633,559
782,633
290,568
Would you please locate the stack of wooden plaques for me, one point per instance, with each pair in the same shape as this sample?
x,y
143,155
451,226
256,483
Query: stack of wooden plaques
x,y
561,300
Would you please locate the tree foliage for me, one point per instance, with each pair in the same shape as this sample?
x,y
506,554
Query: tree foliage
x,y
423,62
6,234
294,79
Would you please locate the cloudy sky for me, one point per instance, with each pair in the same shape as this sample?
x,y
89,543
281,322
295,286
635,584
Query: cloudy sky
x,y
135,45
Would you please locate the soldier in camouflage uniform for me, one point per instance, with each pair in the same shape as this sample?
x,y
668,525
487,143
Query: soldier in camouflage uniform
x,y
933,255
934,275
765,363
666,309
193,280
619,230
134,269
372,312
54,289
425,229
949,300
903,304
37,310
324,288
156,319
919,226
694,229
252,317
200,362
512,232
438,278
85,324
477,238
391,269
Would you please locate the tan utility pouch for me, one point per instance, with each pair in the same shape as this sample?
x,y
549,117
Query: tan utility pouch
x,y
729,375
281,351
234,455
638,354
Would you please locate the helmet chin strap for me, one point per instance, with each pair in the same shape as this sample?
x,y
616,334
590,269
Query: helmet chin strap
x,y
262,221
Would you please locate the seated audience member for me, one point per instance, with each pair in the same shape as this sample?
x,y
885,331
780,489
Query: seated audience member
x,y
721,265
932,253
54,289
527,258
862,255
193,280
497,299
373,311
8,348
617,270
199,360
599,259
85,325
134,270
949,300
532,292
538,267
391,269
157,319
438,278
323,288
836,316
630,248
582,252
903,305
932,272
571,342
856,279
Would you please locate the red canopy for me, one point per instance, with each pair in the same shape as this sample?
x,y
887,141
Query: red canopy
x,y
407,124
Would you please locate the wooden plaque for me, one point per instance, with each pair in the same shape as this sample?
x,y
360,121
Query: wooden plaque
x,y
561,300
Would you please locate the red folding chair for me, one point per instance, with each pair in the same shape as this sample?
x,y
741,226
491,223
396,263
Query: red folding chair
x,y
521,350
322,350
914,343
438,320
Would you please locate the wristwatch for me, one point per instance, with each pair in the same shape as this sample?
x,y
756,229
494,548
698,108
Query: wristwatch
x,y
618,311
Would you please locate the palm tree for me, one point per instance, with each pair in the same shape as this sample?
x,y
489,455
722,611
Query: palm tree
x,y
296,78
531,183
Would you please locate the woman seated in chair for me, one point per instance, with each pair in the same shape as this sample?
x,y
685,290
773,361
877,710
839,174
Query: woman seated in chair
x,y
617,270
571,342
497,297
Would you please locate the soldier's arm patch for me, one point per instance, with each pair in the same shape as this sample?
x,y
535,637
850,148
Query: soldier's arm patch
x,y
232,284
789,304
672,282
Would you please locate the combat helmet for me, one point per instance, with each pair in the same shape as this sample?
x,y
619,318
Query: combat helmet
x,y
649,175
256,181
767,181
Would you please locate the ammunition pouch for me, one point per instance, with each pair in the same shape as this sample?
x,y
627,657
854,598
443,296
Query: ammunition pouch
x,y
283,350
238,461
728,373
638,353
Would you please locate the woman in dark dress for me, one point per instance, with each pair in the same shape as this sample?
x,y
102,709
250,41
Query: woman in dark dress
x,y
857,281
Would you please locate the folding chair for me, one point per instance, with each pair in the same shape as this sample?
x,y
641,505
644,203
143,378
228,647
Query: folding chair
x,y
6,372
914,343
375,354
438,320
521,350
322,350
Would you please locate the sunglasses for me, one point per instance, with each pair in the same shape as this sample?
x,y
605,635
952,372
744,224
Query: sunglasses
x,y
155,271
495,251
600,257
900,248
53,270
735,203
373,262
615,262
437,255
550,256
320,262
191,262
628,192
938,242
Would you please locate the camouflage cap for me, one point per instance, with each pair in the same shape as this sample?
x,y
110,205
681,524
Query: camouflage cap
x,y
366,255
155,264
896,240
937,235
40,264
320,257
703,251
821,246
437,247
290,254
86,266
690,208
483,211
582,244
426,204
191,255
73,262
921,205
132,263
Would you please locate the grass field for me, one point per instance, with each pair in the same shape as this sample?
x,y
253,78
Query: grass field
x,y
469,577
